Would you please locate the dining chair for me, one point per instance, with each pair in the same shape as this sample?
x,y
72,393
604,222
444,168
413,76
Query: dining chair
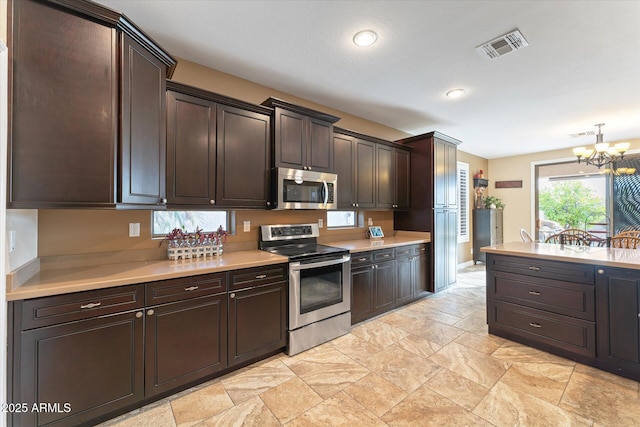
x,y
571,236
526,237
625,242
629,233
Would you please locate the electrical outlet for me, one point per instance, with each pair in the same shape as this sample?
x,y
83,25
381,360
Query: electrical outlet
x,y
12,240
134,229
320,223
246,226
370,221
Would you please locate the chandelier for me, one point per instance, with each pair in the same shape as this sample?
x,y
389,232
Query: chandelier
x,y
601,154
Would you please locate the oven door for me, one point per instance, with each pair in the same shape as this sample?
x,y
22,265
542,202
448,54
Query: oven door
x,y
319,288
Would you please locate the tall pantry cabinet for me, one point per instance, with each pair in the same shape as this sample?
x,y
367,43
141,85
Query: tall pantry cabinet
x,y
434,202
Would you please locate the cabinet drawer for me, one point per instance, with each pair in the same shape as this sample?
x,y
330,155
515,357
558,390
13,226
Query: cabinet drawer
x,y
411,250
564,271
248,277
47,311
571,299
574,335
383,255
361,258
185,287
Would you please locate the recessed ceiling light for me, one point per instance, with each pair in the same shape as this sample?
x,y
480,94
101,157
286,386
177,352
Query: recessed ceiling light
x,y
455,93
365,38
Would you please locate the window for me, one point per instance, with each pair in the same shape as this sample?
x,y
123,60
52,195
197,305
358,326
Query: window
x,y
165,221
337,219
463,194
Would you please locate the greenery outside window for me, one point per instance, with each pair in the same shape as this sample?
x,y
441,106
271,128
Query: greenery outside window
x,y
340,219
165,221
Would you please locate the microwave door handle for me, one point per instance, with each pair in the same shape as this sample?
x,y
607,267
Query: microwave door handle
x,y
326,191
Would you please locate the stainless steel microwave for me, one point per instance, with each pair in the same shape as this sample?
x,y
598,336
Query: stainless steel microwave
x,y
302,189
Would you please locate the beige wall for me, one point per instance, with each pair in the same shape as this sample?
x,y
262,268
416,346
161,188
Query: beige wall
x,y
476,163
519,201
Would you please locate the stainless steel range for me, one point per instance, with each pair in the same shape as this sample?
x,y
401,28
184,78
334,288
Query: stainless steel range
x,y
319,284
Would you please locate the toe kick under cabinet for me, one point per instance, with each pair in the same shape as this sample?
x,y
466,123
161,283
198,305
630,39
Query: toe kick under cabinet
x,y
90,356
585,312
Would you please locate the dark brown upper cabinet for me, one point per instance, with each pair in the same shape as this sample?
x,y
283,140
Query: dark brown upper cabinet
x,y
87,106
372,173
218,150
303,138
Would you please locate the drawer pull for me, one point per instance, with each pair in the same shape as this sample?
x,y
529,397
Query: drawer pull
x,y
90,305
532,268
536,293
139,314
150,312
362,259
261,276
535,325
191,288
385,255
232,295
423,249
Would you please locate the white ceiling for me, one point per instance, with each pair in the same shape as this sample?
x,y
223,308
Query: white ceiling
x,y
582,65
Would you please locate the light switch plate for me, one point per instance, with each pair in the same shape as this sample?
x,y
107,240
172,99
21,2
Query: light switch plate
x,y
246,226
320,223
134,229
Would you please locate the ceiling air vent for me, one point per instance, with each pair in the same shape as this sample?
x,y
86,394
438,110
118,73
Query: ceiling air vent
x,y
503,45
579,134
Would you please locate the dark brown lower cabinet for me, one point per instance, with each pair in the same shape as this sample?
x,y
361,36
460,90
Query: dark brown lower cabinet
x,y
185,341
90,356
257,321
385,282
412,273
362,290
96,366
618,319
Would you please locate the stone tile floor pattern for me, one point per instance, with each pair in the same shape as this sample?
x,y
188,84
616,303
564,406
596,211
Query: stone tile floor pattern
x,y
431,363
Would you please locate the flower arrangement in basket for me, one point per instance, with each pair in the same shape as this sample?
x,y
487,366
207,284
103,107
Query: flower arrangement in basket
x,y
198,244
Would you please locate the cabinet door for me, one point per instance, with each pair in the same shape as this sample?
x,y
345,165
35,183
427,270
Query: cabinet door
x,y
404,280
385,177
290,137
191,150
439,239
343,161
618,318
365,174
440,174
143,138
421,280
385,285
402,173
185,341
451,254
451,174
257,322
95,365
64,109
362,290
320,146
243,156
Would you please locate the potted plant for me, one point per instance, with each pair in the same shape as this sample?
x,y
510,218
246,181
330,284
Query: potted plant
x,y
492,202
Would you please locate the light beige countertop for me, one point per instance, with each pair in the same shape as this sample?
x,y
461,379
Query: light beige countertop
x,y
608,257
399,239
67,280
31,282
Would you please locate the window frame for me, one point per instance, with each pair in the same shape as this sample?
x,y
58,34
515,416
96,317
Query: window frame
x,y
229,220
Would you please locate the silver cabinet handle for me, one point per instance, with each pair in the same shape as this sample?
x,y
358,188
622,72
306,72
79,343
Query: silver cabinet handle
x,y
536,293
535,325
600,271
150,312
163,201
268,203
232,295
261,276
90,305
532,268
191,288
212,202
139,314
362,259
385,255
373,266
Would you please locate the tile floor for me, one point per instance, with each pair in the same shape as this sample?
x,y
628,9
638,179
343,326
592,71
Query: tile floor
x,y
429,363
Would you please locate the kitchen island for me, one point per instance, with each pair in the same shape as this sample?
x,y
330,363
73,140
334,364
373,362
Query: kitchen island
x,y
578,302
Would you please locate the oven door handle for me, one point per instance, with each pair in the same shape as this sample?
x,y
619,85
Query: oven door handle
x,y
299,266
